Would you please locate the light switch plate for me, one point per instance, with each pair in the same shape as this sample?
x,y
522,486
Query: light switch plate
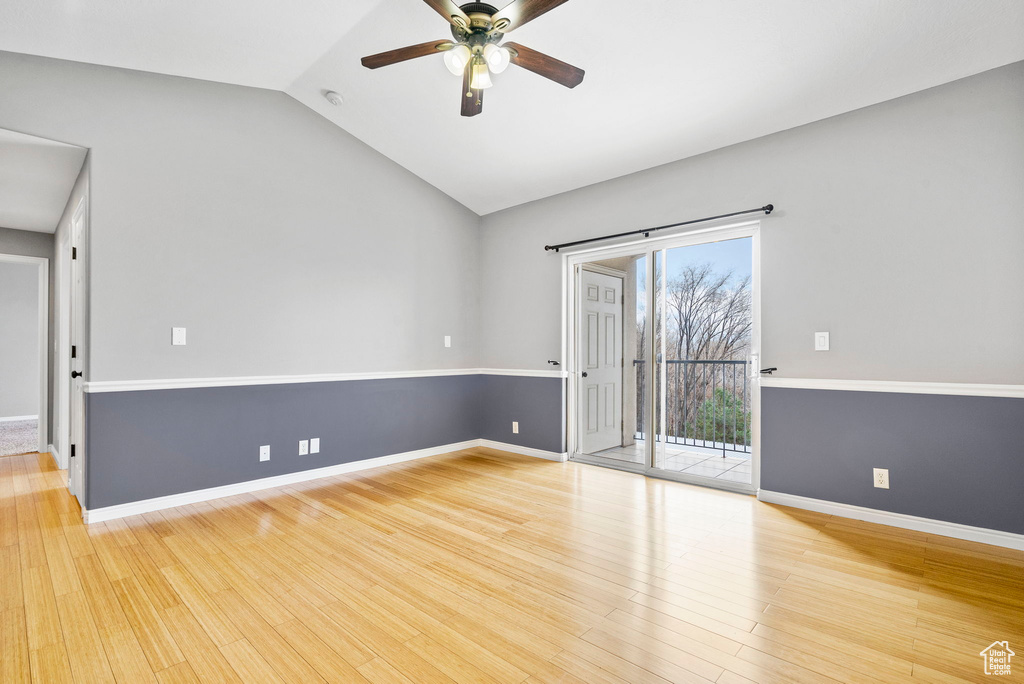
x,y
303,447
821,341
178,337
447,340
265,452
314,445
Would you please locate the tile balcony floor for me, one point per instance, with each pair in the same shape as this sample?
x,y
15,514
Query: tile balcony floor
x,y
692,460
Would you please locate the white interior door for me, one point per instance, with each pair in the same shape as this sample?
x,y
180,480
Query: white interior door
x,y
600,367
76,458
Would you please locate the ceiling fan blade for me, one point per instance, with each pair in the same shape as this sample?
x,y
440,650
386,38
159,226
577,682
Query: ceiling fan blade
x,y
401,54
518,12
548,67
450,11
472,100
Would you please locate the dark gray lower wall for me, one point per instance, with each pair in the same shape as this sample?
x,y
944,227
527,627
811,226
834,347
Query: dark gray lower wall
x,y
159,442
952,458
154,443
537,404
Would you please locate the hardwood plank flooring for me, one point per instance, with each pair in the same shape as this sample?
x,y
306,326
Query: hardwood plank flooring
x,y
482,566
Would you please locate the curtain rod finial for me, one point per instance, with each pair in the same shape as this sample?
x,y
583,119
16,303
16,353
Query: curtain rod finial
x,y
769,208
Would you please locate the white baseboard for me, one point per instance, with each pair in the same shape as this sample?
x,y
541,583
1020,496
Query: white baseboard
x,y
56,456
910,522
12,419
525,451
159,503
185,498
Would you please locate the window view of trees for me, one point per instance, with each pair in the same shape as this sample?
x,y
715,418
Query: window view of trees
x,y
709,316
707,331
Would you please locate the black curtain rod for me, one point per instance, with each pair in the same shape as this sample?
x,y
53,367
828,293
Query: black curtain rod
x,y
646,232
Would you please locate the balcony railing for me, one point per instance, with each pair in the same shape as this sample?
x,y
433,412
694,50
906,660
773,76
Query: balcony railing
x,y
707,404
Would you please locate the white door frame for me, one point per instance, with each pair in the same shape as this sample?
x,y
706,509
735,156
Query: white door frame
x,y
62,351
572,262
78,240
43,313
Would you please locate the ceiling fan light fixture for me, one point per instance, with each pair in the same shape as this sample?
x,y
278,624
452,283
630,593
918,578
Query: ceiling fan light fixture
x,y
480,78
457,58
498,58
475,50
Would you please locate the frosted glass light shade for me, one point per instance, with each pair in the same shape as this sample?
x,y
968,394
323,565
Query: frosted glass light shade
x,y
456,59
481,77
497,57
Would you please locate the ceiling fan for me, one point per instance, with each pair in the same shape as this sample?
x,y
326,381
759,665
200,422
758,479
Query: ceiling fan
x,y
477,50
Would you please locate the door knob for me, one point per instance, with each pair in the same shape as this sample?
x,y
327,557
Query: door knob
x,y
584,373
76,374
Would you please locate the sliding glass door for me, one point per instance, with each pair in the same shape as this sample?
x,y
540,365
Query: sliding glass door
x,y
703,350
664,348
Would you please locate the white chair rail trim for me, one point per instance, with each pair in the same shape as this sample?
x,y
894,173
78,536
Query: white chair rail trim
x,y
948,388
240,381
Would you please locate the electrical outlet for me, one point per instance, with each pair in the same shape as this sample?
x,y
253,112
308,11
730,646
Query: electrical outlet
x,y
303,447
515,427
314,445
881,478
265,452
178,337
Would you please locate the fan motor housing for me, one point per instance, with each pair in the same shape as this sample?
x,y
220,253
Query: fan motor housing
x,y
478,33
479,8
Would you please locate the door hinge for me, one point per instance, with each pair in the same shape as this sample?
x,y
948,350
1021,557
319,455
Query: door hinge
x,y
74,352
72,451
74,252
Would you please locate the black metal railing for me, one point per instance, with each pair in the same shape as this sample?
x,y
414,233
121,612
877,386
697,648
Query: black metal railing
x,y
707,404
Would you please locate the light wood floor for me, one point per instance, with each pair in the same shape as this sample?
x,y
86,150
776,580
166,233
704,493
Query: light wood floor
x,y
487,567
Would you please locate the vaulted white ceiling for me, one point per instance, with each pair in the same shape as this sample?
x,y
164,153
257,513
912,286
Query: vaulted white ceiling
x,y
666,79
36,179
259,43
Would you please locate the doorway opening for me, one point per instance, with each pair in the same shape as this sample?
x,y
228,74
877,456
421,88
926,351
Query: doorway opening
x,y
663,341
44,214
24,380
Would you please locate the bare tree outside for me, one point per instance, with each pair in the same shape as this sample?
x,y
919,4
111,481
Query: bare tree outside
x,y
708,318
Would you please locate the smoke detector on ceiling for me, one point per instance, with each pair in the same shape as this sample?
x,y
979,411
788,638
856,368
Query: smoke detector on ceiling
x,y
333,97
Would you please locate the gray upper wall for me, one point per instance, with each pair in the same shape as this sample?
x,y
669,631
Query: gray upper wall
x,y
899,229
283,244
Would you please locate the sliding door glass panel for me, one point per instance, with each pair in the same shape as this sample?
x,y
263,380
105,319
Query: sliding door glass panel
x,y
611,390
703,332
